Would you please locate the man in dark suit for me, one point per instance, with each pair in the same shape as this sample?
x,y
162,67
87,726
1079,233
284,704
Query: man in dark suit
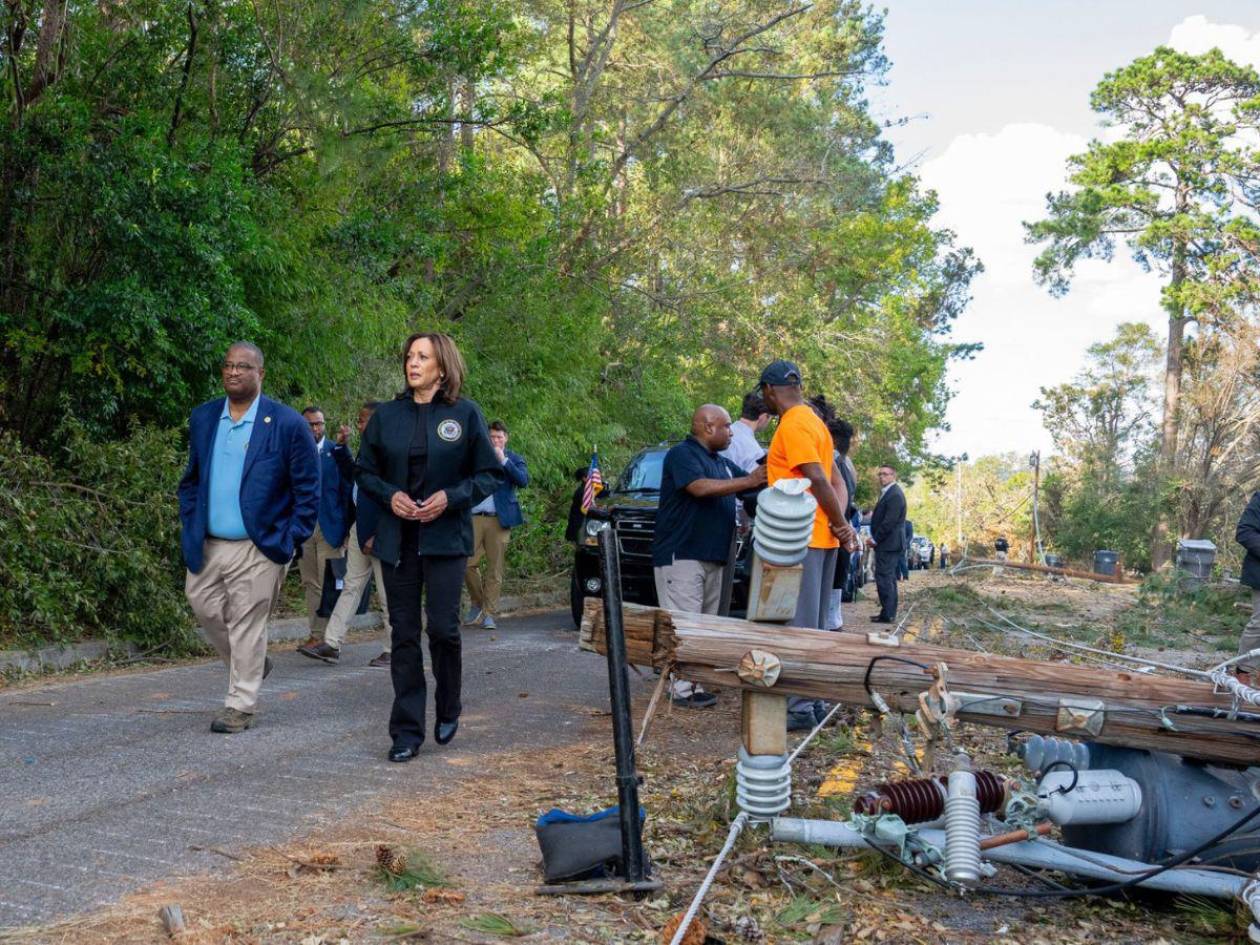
x,y
1248,535
494,517
361,564
888,539
247,500
329,541
903,569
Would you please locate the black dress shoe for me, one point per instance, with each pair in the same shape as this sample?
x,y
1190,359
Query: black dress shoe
x,y
401,753
443,732
878,619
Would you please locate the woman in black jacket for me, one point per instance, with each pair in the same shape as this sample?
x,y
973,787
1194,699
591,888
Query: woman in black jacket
x,y
426,456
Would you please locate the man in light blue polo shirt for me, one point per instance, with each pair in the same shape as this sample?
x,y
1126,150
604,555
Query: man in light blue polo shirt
x,y
249,497
231,440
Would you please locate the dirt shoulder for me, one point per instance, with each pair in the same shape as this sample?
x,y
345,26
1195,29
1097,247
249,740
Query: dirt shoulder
x,y
473,845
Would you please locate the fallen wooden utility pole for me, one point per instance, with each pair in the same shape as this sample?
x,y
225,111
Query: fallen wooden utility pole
x,y
1113,707
1046,569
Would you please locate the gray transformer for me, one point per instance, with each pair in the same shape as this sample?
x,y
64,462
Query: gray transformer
x,y
1184,804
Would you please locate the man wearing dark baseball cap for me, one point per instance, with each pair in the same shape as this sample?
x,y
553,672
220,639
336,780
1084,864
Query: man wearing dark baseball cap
x,y
802,449
781,374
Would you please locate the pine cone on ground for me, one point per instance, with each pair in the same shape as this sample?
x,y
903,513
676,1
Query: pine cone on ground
x,y
390,860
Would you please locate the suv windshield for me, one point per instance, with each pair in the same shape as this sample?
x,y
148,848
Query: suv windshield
x,y
643,474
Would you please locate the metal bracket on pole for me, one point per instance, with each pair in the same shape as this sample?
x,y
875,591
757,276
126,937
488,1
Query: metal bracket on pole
x,y
633,860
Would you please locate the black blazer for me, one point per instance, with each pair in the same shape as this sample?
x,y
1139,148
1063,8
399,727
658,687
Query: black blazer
x,y
1248,535
888,521
461,461
366,511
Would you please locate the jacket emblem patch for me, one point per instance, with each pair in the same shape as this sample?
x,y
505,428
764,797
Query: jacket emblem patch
x,y
450,430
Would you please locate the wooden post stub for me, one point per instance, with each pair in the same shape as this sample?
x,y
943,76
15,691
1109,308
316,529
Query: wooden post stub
x,y
759,668
764,723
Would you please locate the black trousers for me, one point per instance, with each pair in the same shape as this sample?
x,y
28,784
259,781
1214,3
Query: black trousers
x,y
886,565
440,580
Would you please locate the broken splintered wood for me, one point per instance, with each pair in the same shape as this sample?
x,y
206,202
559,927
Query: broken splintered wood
x,y
1112,707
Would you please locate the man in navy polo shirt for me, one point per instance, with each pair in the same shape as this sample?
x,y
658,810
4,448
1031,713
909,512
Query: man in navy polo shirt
x,y
694,525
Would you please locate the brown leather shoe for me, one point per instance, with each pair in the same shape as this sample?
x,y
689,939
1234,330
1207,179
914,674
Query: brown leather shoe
x,y
231,721
309,641
380,662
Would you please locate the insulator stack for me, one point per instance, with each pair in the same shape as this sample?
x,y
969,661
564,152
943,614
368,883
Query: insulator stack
x,y
962,827
919,800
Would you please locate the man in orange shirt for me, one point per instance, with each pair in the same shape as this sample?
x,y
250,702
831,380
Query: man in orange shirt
x,y
802,448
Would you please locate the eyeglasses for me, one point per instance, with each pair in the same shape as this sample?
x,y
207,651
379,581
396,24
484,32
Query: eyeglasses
x,y
242,366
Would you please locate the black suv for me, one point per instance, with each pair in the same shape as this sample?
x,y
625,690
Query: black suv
x,y
631,506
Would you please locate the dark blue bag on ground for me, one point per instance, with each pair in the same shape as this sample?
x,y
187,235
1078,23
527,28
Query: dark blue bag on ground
x,y
578,847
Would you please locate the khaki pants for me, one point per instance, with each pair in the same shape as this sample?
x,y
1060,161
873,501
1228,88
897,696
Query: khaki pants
x,y
316,553
231,598
491,540
359,567
693,586
1251,637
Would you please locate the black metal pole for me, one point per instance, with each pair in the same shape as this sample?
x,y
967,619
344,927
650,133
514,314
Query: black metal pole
x,y
632,858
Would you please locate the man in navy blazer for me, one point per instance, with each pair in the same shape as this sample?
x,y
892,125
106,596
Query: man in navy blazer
x,y
493,520
247,500
331,528
361,564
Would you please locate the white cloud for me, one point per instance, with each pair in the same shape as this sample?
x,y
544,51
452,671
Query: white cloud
x,y
989,184
1197,34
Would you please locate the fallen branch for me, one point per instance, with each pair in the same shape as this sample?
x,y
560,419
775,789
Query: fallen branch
x,y
230,856
1046,569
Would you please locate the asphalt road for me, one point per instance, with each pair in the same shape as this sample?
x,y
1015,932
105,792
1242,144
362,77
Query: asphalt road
x,y
106,789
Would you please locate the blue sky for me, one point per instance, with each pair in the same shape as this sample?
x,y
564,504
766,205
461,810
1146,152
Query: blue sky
x,y
998,93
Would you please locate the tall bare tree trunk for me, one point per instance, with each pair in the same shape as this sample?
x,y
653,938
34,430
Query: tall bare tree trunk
x,y
47,50
1161,542
467,102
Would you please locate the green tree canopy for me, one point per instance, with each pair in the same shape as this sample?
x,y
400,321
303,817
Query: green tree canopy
x,y
1177,186
1102,419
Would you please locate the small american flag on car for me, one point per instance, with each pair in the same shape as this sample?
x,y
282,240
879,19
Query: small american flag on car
x,y
594,483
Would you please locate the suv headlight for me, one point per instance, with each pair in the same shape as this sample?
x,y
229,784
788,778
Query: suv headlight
x,y
590,531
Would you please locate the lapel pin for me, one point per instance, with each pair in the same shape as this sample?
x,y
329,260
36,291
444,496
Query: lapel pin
x,y
266,419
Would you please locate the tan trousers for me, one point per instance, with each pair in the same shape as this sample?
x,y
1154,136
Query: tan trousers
x,y
1251,637
490,539
693,586
316,553
359,567
232,597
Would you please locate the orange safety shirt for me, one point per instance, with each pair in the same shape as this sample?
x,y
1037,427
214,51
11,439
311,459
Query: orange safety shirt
x,y
802,438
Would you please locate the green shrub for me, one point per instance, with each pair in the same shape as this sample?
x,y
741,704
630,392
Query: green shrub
x,y
89,541
1168,612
